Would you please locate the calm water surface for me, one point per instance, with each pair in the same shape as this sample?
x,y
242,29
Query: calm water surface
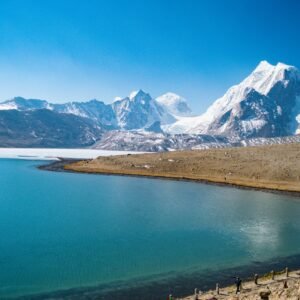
x,y
63,230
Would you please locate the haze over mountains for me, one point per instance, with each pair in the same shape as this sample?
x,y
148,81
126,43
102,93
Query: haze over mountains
x,y
265,104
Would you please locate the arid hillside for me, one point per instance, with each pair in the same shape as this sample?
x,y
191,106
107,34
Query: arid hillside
x,y
273,167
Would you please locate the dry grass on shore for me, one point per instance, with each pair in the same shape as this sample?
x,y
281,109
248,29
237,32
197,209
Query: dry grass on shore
x,y
275,167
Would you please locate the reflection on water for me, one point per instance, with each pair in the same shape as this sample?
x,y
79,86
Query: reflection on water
x,y
63,230
261,236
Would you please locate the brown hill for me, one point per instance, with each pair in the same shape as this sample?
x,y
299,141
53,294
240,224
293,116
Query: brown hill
x,y
275,167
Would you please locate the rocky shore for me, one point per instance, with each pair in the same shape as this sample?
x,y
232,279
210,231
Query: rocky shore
x,y
58,165
273,287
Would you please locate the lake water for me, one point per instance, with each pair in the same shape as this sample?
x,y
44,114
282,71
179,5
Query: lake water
x,y
64,230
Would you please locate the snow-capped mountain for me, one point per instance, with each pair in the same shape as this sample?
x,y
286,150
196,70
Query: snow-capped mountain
x,y
139,110
22,104
95,110
265,104
174,104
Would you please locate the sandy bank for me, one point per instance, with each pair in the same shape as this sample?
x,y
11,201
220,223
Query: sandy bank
x,y
275,167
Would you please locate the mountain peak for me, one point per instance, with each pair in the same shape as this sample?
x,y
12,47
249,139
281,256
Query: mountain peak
x,y
263,66
136,93
20,103
174,104
266,76
281,65
133,94
117,98
171,97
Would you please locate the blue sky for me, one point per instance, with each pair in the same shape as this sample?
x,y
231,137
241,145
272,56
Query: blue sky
x,y
78,50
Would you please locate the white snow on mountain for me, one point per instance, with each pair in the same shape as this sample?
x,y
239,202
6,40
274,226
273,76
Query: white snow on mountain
x,y
133,94
20,103
139,111
74,109
262,80
265,76
296,113
7,106
174,104
182,125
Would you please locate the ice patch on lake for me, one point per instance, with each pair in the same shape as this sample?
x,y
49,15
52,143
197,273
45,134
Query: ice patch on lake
x,y
55,154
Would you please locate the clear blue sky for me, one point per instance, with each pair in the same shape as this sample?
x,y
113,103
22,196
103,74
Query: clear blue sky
x,y
64,50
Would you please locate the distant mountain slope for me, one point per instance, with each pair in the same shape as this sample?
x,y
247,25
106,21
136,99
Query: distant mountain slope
x,y
153,142
156,142
271,141
45,128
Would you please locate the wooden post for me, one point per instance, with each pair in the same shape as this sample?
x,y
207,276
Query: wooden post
x,y
255,279
196,294
287,272
217,289
272,275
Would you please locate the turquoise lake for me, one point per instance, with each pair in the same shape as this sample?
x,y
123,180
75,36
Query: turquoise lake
x,y
65,230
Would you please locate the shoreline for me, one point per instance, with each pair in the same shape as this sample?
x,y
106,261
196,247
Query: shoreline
x,y
269,168
58,165
179,284
62,163
277,285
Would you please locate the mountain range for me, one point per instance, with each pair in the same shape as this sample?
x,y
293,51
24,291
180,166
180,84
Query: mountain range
x,y
264,105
